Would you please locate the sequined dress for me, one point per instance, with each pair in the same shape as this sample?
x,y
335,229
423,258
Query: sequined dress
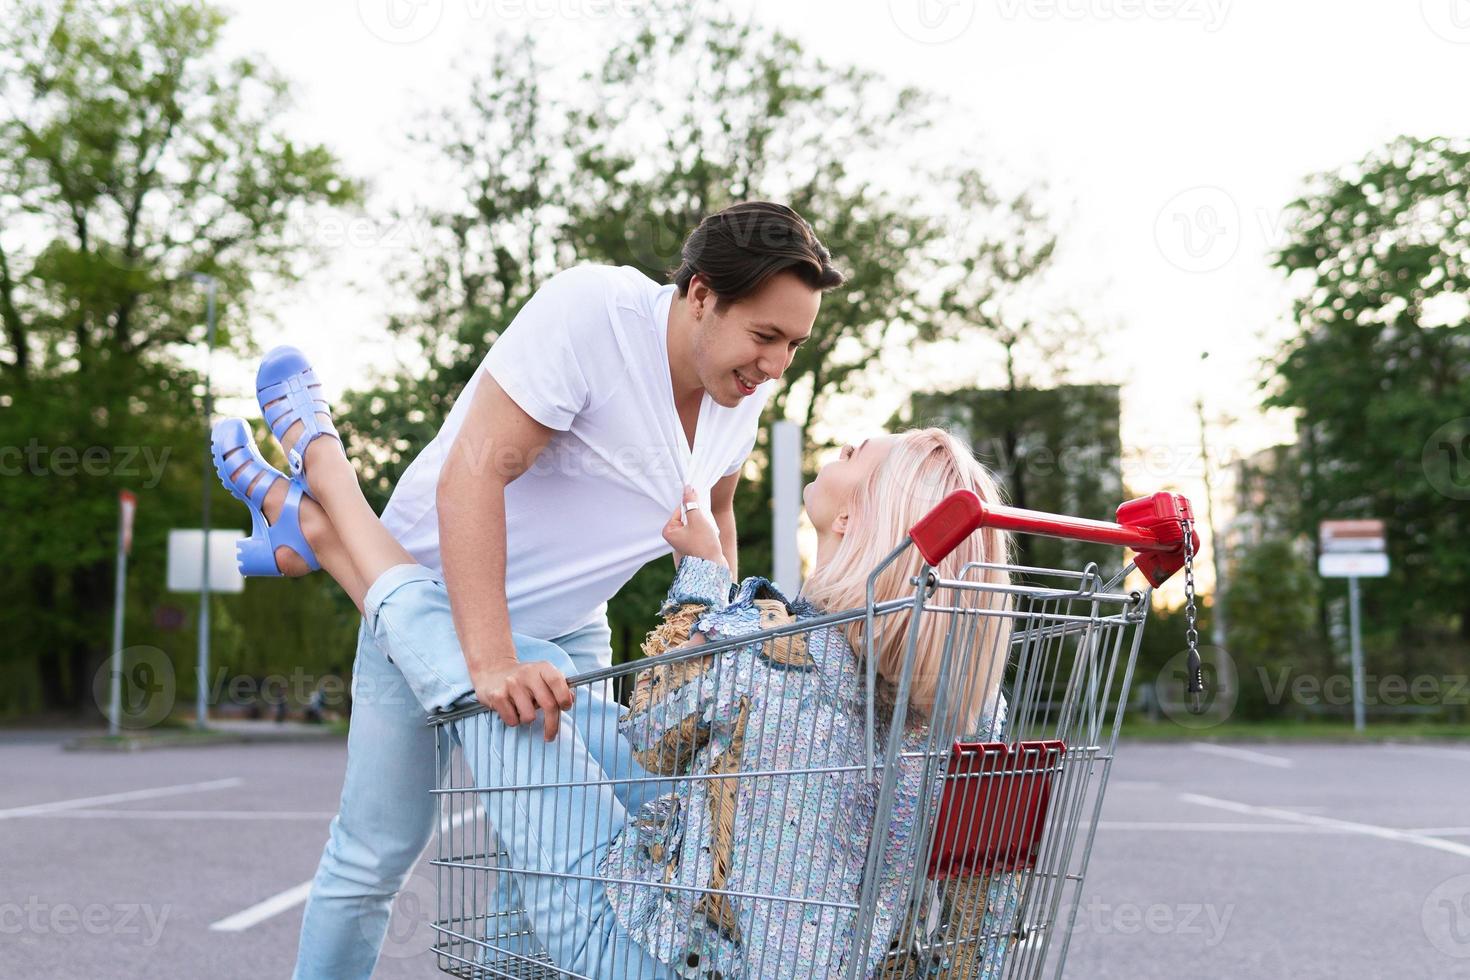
x,y
733,853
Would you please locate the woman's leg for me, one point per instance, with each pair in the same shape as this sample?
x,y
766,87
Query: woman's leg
x,y
597,713
319,532
556,815
556,834
333,483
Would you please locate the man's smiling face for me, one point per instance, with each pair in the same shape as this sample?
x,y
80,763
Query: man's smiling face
x,y
753,340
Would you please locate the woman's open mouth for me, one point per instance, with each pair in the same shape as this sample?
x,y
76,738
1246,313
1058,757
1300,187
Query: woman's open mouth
x,y
746,388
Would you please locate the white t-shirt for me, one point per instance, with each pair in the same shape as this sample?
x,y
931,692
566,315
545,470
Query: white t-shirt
x,y
586,356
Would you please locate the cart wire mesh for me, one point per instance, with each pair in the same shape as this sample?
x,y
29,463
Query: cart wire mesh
x,y
972,832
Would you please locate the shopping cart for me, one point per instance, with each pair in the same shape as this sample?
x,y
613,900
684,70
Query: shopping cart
x,y
1005,816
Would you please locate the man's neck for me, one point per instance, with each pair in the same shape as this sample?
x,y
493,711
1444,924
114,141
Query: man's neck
x,y
680,332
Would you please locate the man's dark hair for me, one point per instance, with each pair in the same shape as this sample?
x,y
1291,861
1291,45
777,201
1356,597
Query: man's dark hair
x,y
735,250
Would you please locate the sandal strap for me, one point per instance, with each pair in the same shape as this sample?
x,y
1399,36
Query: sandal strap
x,y
295,401
286,531
243,474
263,486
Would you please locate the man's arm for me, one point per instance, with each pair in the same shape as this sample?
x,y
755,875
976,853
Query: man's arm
x,y
722,503
497,443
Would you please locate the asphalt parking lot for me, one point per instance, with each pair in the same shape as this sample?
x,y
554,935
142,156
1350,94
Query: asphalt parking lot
x,y
1212,861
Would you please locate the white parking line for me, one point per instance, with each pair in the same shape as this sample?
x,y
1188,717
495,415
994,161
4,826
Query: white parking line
x,y
1183,826
1245,755
295,895
136,794
258,913
1350,826
1459,755
317,815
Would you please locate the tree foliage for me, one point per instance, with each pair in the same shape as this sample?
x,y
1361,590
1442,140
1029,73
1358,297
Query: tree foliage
x,y
135,155
1378,363
686,115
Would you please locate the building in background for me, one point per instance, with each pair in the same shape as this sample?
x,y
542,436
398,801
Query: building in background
x,y
1055,449
1267,493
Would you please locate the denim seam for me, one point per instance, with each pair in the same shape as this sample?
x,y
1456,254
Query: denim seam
x,y
399,641
525,816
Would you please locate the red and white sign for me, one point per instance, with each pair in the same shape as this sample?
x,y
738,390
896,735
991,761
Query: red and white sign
x,y
129,503
1352,536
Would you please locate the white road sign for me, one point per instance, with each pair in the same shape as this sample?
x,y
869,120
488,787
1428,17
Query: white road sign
x,y
1350,564
186,561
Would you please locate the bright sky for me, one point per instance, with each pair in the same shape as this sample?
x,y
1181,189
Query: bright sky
x,y
1170,133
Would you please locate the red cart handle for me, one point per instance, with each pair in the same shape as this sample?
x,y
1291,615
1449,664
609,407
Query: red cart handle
x,y
1153,527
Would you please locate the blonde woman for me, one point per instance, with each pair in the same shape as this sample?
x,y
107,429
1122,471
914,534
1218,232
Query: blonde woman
x,y
568,837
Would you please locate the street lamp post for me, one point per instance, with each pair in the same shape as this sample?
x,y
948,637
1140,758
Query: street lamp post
x,y
1217,608
202,668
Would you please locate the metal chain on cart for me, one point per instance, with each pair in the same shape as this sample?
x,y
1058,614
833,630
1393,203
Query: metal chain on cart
x,y
1196,684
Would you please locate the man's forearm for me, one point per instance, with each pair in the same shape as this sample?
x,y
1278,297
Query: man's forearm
x,y
725,521
472,548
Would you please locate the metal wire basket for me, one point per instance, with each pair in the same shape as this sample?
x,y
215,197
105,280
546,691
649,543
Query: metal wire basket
x,y
972,833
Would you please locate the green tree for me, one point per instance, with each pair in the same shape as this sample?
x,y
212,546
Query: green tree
x,y
692,113
135,154
1379,360
482,256
1271,606
1054,449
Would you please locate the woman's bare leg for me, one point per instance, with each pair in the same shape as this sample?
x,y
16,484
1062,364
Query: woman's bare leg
x,y
369,545
317,528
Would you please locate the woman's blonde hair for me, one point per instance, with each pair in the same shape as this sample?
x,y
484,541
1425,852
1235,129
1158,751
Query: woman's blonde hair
x,y
922,468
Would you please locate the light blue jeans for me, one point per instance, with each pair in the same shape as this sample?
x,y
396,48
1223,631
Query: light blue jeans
x,y
409,663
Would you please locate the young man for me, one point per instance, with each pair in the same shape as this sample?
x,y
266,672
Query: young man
x,y
546,489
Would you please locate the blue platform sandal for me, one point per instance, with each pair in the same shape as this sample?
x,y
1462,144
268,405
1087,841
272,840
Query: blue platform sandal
x,y
234,447
289,392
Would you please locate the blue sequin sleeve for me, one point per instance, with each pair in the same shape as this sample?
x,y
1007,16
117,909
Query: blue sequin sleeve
x,y
699,582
